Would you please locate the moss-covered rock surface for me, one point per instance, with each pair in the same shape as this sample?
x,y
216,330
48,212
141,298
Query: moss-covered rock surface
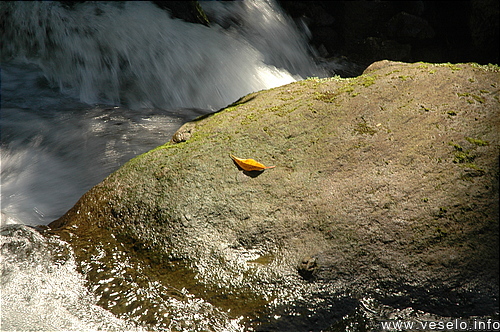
x,y
385,188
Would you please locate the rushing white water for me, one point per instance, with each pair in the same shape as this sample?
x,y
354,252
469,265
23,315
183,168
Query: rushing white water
x,y
134,54
57,62
41,289
86,88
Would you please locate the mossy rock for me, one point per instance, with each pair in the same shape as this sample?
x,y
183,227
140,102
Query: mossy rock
x,y
367,199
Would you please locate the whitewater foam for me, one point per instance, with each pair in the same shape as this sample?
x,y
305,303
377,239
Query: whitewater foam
x,y
134,54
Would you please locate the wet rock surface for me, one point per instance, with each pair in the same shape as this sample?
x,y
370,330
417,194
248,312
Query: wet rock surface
x,y
385,187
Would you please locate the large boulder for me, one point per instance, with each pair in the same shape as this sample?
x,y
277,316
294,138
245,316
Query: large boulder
x,y
385,187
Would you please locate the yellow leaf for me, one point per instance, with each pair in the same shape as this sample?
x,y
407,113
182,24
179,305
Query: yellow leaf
x,y
250,164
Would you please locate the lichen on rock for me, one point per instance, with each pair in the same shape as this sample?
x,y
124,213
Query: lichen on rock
x,y
366,187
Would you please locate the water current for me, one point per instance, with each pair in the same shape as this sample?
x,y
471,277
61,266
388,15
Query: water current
x,y
103,82
86,87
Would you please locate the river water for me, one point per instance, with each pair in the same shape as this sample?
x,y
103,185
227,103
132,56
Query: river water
x,y
84,88
87,88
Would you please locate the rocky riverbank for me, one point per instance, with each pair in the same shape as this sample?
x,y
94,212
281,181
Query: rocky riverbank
x,y
385,185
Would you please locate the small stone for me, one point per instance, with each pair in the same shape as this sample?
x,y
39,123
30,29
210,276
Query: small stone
x,y
183,134
307,267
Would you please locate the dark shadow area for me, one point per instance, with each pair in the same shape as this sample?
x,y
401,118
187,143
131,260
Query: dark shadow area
x,y
444,302
306,316
362,32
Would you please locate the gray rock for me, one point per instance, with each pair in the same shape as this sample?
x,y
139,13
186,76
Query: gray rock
x,y
386,185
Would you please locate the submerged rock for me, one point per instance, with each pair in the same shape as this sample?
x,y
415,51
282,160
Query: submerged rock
x,y
385,186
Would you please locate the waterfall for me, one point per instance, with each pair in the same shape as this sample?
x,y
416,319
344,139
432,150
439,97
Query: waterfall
x,y
147,71
87,86
134,54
